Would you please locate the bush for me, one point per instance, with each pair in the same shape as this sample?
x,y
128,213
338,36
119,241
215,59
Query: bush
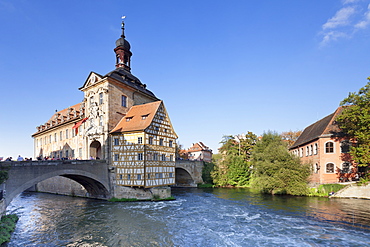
x,y
7,226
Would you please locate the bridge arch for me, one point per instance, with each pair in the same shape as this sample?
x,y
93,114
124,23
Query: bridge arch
x,y
183,178
93,177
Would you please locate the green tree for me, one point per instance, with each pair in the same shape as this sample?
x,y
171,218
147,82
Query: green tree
x,y
275,170
233,168
354,121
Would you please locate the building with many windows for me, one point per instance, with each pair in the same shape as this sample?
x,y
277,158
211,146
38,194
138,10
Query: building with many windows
x,y
119,120
199,152
325,146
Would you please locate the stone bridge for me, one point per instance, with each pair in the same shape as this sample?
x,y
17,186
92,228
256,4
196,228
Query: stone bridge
x,y
93,175
188,173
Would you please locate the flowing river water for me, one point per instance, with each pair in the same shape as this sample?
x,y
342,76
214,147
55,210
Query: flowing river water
x,y
198,217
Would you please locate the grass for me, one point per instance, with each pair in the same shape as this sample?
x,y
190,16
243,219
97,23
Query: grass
x,y
324,189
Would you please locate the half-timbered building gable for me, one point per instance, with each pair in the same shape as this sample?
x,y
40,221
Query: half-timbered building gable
x,y
143,147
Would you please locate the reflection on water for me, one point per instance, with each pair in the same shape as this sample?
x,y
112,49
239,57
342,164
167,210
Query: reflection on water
x,y
198,217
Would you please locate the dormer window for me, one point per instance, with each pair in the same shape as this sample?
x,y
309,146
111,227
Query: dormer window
x,y
128,119
143,117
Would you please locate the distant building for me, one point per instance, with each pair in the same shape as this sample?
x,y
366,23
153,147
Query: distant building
x,y
198,151
327,148
119,120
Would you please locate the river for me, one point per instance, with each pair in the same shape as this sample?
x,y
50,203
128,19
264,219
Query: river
x,y
198,217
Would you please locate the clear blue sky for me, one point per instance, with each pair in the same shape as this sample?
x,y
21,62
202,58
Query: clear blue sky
x,y
221,67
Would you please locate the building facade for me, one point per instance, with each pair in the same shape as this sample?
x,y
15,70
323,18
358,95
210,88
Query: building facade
x,y
325,146
99,127
199,152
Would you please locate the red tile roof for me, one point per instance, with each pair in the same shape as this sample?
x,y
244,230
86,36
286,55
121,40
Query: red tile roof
x,y
134,121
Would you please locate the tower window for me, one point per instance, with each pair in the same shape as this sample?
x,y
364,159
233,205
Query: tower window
x,y
100,98
124,101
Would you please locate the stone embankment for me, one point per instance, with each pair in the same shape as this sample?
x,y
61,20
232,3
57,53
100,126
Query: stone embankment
x,y
354,191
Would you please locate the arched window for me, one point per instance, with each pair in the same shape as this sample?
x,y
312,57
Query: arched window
x,y
346,167
329,147
330,168
311,149
345,146
307,150
315,149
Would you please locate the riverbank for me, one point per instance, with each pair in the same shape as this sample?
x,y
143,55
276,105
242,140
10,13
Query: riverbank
x,y
7,227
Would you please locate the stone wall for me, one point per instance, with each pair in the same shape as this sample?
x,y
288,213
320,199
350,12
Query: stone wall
x,y
61,186
354,191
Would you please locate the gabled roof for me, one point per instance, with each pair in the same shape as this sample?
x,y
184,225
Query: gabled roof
x,y
325,126
139,117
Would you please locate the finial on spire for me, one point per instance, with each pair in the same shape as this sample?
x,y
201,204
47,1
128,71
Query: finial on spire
x,y
123,26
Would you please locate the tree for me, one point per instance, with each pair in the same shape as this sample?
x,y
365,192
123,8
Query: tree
x,y
290,136
354,121
232,168
275,170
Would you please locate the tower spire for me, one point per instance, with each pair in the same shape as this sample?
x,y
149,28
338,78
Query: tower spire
x,y
122,50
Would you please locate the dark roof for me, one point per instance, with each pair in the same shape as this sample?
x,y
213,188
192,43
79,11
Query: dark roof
x,y
124,76
325,126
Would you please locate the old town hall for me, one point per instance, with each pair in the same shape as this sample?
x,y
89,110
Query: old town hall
x,y
120,121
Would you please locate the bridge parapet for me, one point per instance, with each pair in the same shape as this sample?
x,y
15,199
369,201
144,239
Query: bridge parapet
x,y
92,174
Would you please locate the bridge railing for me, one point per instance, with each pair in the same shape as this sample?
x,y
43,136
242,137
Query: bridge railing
x,y
47,162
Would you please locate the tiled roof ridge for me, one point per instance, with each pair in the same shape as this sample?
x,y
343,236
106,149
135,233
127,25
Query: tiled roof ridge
x,y
316,129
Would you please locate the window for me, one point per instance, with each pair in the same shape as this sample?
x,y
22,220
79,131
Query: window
x,y
163,157
148,175
116,141
329,147
116,157
61,135
140,156
317,168
346,167
140,140
66,134
170,144
155,156
161,142
315,149
301,152
80,152
150,140
330,168
307,150
49,138
138,176
149,156
158,175
55,137
171,157
67,154
170,174
345,146
91,100
100,98
128,119
120,176
311,149
100,120
124,101
144,116
128,176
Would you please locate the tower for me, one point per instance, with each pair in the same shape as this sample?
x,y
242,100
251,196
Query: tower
x,y
122,50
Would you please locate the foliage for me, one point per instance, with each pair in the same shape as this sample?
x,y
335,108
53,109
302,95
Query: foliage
x,y
232,167
7,226
3,174
290,136
277,171
324,189
354,121
206,172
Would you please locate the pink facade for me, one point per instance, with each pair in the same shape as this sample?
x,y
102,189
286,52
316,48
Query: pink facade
x,y
323,145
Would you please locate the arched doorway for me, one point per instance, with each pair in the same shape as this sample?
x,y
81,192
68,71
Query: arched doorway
x,y
183,178
95,150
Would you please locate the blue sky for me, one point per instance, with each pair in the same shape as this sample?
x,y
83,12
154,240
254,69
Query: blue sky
x,y
221,67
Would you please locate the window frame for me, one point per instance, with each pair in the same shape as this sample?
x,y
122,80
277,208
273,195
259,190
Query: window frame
x,y
327,168
329,149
